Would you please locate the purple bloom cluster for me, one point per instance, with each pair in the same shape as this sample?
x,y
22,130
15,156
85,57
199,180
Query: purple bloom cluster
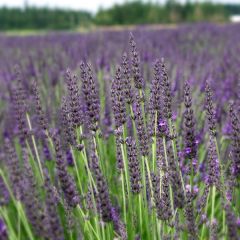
x,y
67,183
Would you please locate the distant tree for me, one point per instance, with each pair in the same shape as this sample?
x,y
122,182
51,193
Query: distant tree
x,y
130,12
42,18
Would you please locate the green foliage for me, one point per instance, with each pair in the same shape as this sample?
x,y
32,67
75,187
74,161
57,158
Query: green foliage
x,y
42,18
137,12
130,12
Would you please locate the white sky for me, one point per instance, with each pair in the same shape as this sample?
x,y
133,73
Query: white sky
x,y
90,5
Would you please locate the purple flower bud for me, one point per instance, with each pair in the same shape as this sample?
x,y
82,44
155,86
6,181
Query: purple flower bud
x,y
46,152
188,188
51,207
118,99
189,213
231,223
166,92
189,134
195,189
235,140
13,166
42,120
67,182
102,187
178,192
69,158
134,165
210,111
162,202
213,165
119,226
163,128
141,130
238,222
75,108
188,150
18,95
90,95
67,127
31,199
137,76
127,80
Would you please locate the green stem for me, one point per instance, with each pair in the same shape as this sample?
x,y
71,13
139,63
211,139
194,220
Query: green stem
x,y
213,202
133,122
149,178
19,224
35,147
125,166
76,169
140,210
145,204
11,231
224,223
124,197
34,165
87,222
220,163
142,106
154,145
222,182
159,224
84,156
170,187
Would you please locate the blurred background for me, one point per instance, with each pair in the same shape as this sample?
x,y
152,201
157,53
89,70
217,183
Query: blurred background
x,y
35,15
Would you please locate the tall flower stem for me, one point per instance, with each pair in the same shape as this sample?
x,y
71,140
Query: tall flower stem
x,y
170,187
33,163
11,233
77,171
222,183
125,161
142,106
145,204
133,122
149,177
213,202
123,197
87,223
140,210
35,147
154,145
125,169
84,156
220,163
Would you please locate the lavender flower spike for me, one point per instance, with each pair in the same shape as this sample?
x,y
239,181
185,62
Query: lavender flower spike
x,y
134,165
118,99
67,183
137,77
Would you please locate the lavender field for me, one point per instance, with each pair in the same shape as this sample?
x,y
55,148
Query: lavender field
x,y
121,135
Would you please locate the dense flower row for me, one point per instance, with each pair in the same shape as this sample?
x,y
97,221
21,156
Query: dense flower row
x,y
127,146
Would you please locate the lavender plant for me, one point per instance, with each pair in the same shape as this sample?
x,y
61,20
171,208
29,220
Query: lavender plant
x,y
127,147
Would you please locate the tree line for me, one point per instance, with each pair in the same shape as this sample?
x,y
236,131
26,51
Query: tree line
x,y
42,18
131,12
